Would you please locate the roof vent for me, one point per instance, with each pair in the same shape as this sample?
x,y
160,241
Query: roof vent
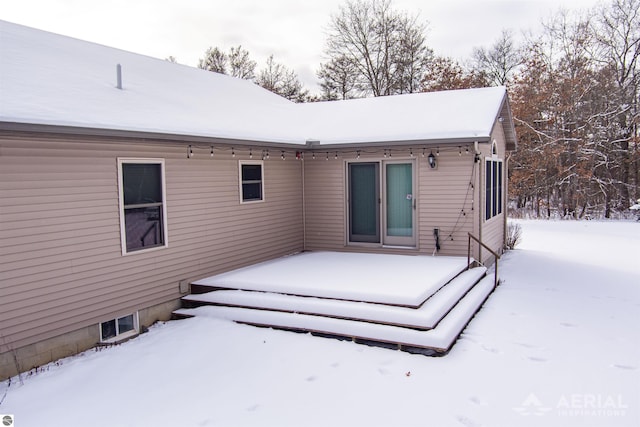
x,y
119,76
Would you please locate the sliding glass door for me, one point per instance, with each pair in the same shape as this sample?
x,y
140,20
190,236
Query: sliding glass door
x,y
399,204
364,200
381,209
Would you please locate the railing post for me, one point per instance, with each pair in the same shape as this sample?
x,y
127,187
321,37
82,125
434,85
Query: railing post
x,y
496,256
469,252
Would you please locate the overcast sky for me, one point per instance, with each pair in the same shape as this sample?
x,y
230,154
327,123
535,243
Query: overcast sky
x,y
294,31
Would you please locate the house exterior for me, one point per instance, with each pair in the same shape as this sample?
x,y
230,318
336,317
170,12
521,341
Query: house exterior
x,y
124,178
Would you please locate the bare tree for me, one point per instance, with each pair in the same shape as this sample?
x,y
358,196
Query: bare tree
x,y
617,30
412,55
500,61
277,78
384,47
236,63
240,65
214,60
576,120
338,79
444,73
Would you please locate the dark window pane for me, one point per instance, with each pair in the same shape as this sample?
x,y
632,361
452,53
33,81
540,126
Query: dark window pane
x,y
252,191
108,329
125,324
487,180
251,172
142,183
499,195
143,227
494,194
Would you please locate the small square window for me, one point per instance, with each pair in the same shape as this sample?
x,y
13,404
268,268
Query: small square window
x,y
251,182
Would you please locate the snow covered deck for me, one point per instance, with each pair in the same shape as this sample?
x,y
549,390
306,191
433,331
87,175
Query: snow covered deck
x,y
376,278
411,301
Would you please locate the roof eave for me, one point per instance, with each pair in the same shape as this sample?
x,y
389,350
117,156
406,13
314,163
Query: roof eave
x,y
404,142
141,135
208,140
506,118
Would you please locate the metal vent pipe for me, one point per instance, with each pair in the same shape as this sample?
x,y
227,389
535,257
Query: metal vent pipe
x,y
119,76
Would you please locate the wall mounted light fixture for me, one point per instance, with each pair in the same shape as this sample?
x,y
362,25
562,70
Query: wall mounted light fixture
x,y
432,161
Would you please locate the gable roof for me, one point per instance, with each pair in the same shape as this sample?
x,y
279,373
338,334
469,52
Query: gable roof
x,y
458,115
53,80
56,80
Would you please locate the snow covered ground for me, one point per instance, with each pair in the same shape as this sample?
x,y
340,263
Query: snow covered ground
x,y
557,344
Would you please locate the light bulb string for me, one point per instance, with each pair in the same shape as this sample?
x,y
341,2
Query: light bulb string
x,y
347,154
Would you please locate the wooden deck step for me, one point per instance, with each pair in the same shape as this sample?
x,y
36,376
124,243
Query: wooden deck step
x,y
439,339
425,317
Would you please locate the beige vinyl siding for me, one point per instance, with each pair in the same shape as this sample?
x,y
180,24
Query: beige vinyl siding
x,y
444,194
441,197
325,210
61,263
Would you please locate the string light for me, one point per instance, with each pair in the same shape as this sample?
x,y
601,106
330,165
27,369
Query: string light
x,y
299,155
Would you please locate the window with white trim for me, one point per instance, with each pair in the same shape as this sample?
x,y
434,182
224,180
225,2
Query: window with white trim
x,y
119,329
493,188
251,181
143,209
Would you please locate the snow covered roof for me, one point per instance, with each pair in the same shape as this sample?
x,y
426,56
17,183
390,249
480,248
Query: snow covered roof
x,y
53,80
447,115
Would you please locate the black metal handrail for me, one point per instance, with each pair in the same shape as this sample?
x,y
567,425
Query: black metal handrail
x,y
495,273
